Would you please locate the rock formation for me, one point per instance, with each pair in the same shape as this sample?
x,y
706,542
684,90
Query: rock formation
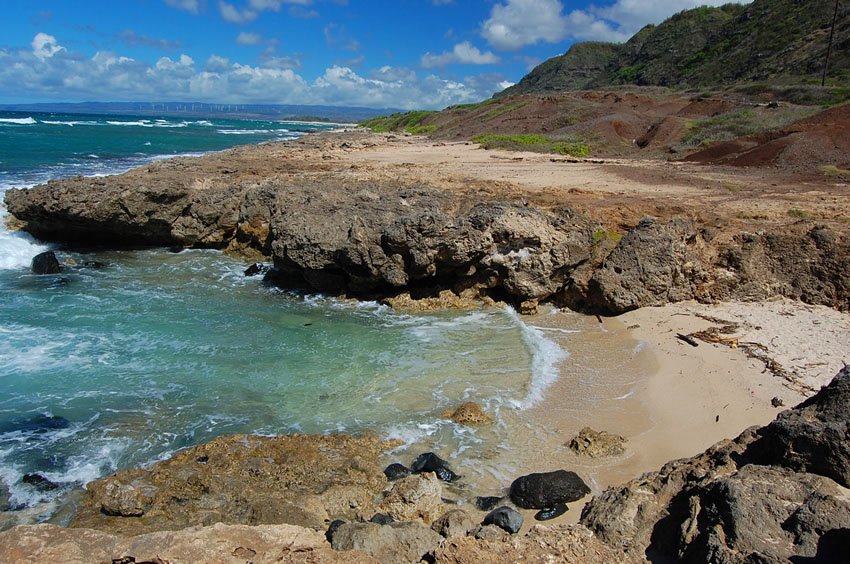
x,y
301,480
770,495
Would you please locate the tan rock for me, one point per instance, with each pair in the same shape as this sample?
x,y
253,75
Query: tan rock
x,y
397,542
219,543
301,480
597,444
446,300
455,523
415,497
469,413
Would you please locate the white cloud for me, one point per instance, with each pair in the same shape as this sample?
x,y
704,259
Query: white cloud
x,y
463,53
517,23
45,46
191,6
50,72
250,12
248,38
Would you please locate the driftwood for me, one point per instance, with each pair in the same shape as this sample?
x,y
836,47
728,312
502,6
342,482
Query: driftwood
x,y
688,339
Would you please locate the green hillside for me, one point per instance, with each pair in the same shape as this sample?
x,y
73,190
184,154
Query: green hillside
x,y
777,42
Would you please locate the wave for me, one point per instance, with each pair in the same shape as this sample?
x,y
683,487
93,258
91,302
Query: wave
x,y
546,356
18,121
252,131
69,123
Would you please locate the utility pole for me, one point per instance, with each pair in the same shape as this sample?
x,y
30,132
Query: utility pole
x,y
829,46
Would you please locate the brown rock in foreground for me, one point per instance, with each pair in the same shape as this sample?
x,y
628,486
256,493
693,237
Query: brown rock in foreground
x,y
770,495
218,543
468,413
302,480
597,444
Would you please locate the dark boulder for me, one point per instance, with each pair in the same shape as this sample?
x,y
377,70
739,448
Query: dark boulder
x,y
545,490
550,513
430,462
256,269
332,528
505,518
39,482
814,437
396,471
46,263
382,519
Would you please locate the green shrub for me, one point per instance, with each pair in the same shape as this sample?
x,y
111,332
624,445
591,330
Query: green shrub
x,y
397,122
531,142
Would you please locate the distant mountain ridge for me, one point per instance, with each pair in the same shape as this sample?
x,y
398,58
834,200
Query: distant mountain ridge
x,y
776,41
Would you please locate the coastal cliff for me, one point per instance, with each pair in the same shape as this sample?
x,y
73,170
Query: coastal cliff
x,y
328,228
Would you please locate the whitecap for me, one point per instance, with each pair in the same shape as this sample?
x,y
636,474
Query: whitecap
x,y
18,121
546,356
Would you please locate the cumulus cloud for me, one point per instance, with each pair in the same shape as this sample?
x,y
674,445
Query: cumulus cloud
x,y
191,6
45,46
48,71
463,53
517,23
247,38
252,9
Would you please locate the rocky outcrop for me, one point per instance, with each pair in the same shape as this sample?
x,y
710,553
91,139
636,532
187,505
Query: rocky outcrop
x,y
396,542
46,263
597,444
217,543
770,495
414,497
303,480
340,233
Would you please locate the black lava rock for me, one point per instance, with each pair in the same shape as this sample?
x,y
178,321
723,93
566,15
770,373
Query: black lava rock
x,y
396,471
540,491
39,482
256,269
430,462
335,524
487,503
505,518
381,519
551,512
46,263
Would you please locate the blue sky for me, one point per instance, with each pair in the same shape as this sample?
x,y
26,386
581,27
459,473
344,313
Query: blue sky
x,y
404,54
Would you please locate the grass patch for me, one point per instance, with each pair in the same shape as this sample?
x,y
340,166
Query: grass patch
x,y
740,123
407,121
834,171
798,214
475,106
505,109
532,142
602,235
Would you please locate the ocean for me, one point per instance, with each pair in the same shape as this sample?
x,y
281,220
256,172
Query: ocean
x,y
103,369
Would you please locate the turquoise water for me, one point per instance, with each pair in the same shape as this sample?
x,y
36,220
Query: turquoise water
x,y
107,368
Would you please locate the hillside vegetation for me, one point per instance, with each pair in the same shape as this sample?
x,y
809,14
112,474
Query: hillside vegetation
x,y
775,42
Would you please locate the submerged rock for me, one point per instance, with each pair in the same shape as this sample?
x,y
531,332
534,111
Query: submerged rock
x,y
487,503
505,518
39,482
256,269
543,490
46,263
430,462
597,444
38,423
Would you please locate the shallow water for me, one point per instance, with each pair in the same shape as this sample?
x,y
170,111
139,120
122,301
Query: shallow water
x,y
103,369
